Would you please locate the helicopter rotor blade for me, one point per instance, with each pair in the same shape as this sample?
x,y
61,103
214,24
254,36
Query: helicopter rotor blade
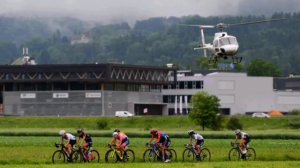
x,y
200,26
255,22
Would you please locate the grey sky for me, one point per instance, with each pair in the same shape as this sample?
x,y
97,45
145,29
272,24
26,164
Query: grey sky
x,y
108,11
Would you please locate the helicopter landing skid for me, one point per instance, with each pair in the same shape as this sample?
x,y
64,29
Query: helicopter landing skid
x,y
236,60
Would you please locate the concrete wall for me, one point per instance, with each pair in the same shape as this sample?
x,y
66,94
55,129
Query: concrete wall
x,y
75,103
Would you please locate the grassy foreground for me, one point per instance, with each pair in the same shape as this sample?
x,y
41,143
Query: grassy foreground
x,y
254,164
39,150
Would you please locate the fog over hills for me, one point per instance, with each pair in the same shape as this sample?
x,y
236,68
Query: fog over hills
x,y
115,11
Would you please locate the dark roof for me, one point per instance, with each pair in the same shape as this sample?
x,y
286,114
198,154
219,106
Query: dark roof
x,y
86,72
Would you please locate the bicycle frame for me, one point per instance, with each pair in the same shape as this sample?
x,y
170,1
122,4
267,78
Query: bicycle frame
x,y
113,147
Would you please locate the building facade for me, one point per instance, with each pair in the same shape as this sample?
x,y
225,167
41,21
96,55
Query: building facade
x,y
238,93
82,90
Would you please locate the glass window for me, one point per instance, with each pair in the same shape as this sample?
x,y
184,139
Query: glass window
x,y
190,85
181,85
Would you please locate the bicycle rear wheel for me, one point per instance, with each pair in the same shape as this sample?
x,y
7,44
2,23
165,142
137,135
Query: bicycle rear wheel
x,y
205,154
173,155
59,157
149,156
111,156
188,155
234,154
251,154
94,156
129,156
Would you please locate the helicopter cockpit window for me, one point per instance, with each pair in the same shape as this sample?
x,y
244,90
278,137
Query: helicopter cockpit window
x,y
227,40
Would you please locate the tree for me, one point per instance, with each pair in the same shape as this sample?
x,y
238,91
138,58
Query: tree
x,y
260,67
205,109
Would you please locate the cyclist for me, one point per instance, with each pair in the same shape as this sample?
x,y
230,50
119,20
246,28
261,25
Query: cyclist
x,y
243,139
121,140
199,142
71,141
162,140
86,142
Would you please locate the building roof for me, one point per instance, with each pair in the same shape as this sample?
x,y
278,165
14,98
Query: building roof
x,y
85,72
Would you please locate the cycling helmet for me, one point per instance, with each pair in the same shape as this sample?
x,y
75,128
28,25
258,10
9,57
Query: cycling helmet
x,y
117,130
191,132
115,134
153,131
237,131
79,130
61,132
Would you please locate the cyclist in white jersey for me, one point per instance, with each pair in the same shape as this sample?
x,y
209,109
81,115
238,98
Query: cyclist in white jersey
x,y
71,141
199,141
243,139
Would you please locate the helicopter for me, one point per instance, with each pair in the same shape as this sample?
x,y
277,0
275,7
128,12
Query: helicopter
x,y
224,46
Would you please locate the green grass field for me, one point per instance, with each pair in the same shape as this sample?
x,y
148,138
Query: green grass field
x,y
29,142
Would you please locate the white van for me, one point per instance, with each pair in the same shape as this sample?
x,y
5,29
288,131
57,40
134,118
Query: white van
x,y
123,114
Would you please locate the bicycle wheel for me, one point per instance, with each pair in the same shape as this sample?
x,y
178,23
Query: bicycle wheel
x,y
205,154
149,156
59,157
188,155
173,155
234,154
251,154
94,156
77,156
129,156
111,156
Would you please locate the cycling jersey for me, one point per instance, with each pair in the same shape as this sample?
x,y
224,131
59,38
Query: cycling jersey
x,y
122,138
70,138
197,137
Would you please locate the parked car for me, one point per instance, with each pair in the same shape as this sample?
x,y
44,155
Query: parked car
x,y
261,115
123,114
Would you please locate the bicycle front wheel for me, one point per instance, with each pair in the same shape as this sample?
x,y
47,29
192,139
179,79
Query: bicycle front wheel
x,y
59,157
77,156
94,156
205,154
110,156
234,154
188,155
129,156
149,156
251,154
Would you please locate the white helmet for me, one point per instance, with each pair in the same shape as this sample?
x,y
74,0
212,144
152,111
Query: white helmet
x,y
190,132
237,131
115,134
61,132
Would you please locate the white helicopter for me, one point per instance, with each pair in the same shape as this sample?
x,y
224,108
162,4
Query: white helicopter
x,y
223,45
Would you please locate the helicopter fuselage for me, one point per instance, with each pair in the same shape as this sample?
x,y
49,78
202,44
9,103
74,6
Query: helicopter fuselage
x,y
224,45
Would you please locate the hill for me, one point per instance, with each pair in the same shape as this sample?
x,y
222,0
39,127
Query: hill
x,y
154,41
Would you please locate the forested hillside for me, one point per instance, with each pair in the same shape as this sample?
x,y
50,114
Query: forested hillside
x,y
155,41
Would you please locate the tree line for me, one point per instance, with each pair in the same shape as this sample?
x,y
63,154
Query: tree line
x,y
155,41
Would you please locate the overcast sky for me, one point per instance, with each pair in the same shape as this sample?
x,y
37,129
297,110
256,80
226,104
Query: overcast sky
x,y
112,11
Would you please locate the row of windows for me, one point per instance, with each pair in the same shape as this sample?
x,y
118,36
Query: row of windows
x,y
78,86
172,98
185,85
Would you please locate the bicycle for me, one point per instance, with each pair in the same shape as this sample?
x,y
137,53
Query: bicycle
x,y
153,153
236,154
60,155
114,155
91,155
189,153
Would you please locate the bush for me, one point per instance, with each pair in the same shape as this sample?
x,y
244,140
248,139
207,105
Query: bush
x,y
218,122
102,124
234,123
294,112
